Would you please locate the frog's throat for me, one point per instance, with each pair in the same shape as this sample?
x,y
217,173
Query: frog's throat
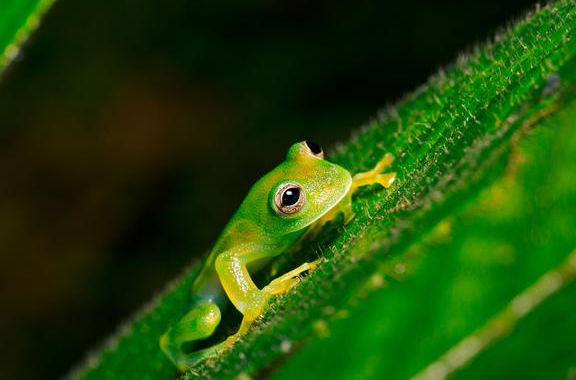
x,y
336,204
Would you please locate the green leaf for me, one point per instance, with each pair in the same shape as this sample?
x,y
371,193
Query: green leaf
x,y
18,19
459,292
451,138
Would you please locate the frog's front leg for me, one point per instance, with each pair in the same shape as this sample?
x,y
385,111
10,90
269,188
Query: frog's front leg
x,y
370,177
285,282
231,267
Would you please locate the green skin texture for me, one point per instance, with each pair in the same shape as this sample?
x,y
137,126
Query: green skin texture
x,y
258,231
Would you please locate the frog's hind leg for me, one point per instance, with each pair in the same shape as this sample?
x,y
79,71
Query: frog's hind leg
x,y
199,323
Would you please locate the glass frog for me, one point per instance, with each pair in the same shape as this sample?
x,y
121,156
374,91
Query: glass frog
x,y
301,194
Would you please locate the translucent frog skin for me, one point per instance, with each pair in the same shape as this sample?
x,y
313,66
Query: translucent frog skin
x,y
302,193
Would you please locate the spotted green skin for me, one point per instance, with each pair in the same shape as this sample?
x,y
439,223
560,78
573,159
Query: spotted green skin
x,y
258,231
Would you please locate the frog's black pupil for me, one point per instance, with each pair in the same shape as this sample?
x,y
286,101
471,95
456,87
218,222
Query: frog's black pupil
x,y
314,148
290,196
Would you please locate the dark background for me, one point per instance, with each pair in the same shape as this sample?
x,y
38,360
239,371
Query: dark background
x,y
130,130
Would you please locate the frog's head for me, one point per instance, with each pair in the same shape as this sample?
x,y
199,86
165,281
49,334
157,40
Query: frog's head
x,y
299,191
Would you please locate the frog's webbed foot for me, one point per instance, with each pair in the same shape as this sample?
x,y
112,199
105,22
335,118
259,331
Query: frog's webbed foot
x,y
370,177
277,286
285,282
282,284
375,175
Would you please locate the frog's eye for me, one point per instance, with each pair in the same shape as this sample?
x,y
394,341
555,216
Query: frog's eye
x,y
289,199
315,149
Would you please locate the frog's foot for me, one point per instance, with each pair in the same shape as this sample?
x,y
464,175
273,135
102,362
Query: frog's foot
x,y
285,282
234,338
375,175
277,286
243,329
358,180
199,323
190,360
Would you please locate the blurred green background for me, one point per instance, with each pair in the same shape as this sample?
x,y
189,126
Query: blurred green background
x,y
130,131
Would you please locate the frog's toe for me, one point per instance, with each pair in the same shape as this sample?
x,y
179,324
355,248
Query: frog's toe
x,y
385,180
278,287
